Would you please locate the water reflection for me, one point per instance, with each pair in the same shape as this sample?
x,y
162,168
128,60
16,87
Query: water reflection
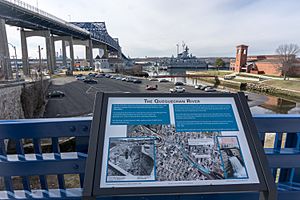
x,y
276,105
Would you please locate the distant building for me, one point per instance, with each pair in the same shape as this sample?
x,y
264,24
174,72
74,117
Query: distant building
x,y
102,65
261,64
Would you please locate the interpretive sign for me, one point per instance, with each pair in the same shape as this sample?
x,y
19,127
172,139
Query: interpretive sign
x,y
164,144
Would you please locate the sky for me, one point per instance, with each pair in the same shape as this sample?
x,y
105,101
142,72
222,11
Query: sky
x,y
211,28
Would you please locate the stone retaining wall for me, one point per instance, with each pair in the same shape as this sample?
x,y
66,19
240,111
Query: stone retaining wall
x,y
263,88
23,100
10,103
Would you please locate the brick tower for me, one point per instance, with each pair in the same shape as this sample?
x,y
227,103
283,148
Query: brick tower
x,y
241,57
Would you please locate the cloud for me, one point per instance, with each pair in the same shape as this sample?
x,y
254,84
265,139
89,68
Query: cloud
x,y
210,28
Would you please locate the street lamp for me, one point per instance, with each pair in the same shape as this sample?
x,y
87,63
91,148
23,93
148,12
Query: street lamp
x,y
40,66
16,62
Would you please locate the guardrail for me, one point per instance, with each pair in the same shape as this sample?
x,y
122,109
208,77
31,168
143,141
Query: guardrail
x,y
45,14
280,134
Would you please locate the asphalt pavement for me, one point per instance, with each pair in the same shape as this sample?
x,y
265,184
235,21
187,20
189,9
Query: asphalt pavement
x,y
79,96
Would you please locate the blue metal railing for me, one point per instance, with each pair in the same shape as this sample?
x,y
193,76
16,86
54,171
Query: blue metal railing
x,y
282,149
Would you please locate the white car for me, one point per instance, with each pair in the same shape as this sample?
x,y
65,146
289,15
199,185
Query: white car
x,y
198,86
177,89
210,89
80,78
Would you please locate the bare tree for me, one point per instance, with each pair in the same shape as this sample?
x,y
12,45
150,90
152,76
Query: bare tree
x,y
287,54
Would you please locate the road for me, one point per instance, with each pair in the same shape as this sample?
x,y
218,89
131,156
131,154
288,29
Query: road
x,y
79,96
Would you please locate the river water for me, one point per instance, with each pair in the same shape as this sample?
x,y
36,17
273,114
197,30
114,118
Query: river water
x,y
258,103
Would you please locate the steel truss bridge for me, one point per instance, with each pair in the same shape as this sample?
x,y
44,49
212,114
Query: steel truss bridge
x,y
20,14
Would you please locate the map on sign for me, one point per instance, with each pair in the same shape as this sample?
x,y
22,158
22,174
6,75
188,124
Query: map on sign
x,y
152,142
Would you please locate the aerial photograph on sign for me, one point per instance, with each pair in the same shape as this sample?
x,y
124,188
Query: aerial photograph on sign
x,y
131,159
183,156
232,158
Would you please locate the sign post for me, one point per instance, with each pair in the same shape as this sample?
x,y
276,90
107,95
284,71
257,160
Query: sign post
x,y
175,144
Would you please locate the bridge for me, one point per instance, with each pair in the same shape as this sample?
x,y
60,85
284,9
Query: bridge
x,y
35,22
283,157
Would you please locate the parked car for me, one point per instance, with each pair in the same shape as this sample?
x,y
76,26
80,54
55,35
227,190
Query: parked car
x,y
80,78
198,87
107,75
137,81
91,74
210,89
203,87
177,89
124,79
119,78
100,76
178,83
163,81
229,77
129,79
151,87
90,81
153,79
55,93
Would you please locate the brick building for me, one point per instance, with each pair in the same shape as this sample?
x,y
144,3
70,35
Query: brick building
x,y
261,64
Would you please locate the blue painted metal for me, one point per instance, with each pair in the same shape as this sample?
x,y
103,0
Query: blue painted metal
x,y
41,164
99,33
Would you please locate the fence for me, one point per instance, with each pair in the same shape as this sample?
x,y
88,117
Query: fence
x,y
31,165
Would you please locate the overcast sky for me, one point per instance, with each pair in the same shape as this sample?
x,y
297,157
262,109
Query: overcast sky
x,y
154,27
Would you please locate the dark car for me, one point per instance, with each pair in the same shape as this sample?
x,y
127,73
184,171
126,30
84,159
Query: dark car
x,y
178,83
163,81
55,93
137,81
92,75
90,81
100,76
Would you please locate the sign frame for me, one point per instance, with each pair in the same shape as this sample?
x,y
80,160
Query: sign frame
x,y
91,189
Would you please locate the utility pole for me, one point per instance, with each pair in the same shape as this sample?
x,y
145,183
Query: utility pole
x,y
16,62
40,67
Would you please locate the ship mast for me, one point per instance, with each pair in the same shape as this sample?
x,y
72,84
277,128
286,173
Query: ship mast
x,y
183,46
177,49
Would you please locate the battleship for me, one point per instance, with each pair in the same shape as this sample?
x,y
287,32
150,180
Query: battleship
x,y
184,60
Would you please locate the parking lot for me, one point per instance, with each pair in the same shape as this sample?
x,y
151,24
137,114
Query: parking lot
x,y
79,96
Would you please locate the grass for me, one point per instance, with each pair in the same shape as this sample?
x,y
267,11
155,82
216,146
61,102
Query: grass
x,y
288,84
211,72
244,81
82,72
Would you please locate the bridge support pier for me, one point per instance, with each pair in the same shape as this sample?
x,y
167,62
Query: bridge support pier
x,y
104,48
5,65
25,62
71,54
89,53
64,53
50,49
52,52
66,41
